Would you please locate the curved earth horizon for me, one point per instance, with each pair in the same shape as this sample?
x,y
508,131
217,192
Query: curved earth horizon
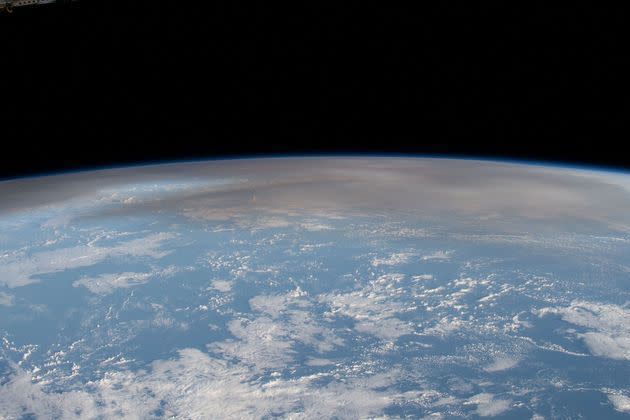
x,y
316,287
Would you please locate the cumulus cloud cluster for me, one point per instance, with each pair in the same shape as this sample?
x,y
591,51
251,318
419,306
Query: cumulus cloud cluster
x,y
620,402
438,255
266,339
106,284
396,258
20,269
222,285
373,307
226,381
197,386
607,326
489,405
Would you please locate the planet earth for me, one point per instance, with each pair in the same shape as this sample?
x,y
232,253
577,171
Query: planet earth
x,y
316,287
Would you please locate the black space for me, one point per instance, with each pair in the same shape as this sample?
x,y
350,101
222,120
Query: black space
x,y
115,82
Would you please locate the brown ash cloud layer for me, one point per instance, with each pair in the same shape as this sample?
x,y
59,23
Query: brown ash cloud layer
x,y
473,191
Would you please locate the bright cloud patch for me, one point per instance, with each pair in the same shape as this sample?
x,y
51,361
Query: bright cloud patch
x,y
501,363
373,307
387,329
620,402
266,339
6,299
222,285
108,283
488,405
195,385
393,259
608,327
21,270
438,255
315,227
319,362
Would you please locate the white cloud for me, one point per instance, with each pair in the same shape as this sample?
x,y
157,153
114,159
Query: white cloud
x,y
21,270
315,227
620,402
606,345
222,285
105,284
446,326
394,259
266,340
609,326
313,247
276,305
438,255
260,343
319,362
373,307
423,277
195,386
271,223
6,299
386,329
488,405
20,396
502,363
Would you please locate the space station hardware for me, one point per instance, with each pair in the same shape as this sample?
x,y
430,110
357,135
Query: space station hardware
x,y
9,5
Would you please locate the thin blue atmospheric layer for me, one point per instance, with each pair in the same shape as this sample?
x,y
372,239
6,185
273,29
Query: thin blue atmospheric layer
x,y
155,315
581,166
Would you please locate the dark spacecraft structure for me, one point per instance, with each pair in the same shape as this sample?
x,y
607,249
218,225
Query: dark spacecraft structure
x,y
9,5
